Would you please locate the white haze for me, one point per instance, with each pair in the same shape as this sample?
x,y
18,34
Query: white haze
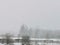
x,y
44,14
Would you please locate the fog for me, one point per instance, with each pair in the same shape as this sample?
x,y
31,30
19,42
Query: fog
x,y
42,14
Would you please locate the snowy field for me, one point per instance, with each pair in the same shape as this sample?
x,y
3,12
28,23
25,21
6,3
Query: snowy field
x,y
14,44
39,44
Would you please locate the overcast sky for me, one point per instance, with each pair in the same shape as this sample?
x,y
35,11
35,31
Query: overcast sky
x,y
44,14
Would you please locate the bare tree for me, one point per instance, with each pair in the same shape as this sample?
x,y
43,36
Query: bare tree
x,y
25,40
7,39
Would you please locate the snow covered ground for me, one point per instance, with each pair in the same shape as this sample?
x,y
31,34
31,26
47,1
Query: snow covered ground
x,y
50,44
14,44
41,44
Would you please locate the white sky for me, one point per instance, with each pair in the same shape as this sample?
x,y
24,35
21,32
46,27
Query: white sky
x,y
44,14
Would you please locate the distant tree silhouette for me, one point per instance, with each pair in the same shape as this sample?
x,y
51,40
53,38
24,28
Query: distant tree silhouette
x,y
25,40
7,39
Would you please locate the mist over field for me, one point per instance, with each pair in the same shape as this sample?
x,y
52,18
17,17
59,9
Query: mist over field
x,y
39,33
43,14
